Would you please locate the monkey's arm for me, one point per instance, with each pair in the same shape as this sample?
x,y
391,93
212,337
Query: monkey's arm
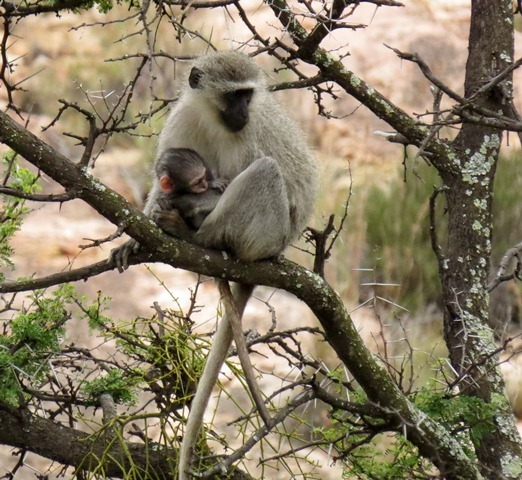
x,y
172,223
168,220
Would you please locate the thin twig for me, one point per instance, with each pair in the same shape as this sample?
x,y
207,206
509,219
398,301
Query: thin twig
x,y
501,276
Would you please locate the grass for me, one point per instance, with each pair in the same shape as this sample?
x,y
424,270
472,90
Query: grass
x,y
397,229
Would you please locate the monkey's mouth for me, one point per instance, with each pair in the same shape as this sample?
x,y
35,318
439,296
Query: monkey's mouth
x,y
235,123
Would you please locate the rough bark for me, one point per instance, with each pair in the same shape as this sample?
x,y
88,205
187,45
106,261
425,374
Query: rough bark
x,y
466,266
89,452
22,429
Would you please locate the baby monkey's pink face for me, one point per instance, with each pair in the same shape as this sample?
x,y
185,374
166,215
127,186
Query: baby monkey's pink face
x,y
199,183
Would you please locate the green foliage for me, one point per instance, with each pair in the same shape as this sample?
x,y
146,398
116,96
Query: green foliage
x,y
104,6
117,382
13,209
368,453
391,456
338,375
32,336
166,355
398,229
399,460
94,312
468,418
120,383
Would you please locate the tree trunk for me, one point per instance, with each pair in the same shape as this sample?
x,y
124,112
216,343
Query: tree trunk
x,y
465,267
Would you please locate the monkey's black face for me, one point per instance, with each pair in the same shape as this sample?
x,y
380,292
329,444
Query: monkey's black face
x,y
236,112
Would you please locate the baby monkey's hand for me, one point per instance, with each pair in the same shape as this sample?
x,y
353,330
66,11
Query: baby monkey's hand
x,y
219,184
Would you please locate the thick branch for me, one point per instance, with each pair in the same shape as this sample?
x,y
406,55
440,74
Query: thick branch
x,y
23,9
332,69
76,179
490,54
22,429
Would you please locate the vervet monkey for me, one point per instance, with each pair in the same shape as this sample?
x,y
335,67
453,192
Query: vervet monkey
x,y
228,116
187,185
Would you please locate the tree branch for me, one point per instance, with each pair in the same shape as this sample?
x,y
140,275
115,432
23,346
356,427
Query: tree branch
x,y
69,276
501,276
22,429
332,69
13,192
22,9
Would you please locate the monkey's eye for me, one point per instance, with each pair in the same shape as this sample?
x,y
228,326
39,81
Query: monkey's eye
x,y
199,183
246,94
237,97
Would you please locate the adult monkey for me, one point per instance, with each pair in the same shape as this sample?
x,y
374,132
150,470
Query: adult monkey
x,y
228,116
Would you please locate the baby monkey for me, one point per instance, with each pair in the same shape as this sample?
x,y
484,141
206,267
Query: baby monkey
x,y
187,185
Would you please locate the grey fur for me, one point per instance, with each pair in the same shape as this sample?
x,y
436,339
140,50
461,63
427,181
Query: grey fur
x,y
179,164
271,195
194,122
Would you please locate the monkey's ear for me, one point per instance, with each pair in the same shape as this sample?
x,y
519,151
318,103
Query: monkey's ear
x,y
166,183
195,77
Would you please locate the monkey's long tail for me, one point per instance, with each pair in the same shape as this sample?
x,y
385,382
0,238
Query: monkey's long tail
x,y
216,359
242,351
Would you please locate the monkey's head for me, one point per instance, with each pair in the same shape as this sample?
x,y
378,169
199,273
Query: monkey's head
x,y
229,81
181,170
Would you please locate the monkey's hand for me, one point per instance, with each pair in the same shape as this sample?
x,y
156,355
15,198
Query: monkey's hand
x,y
219,184
171,222
163,204
120,255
